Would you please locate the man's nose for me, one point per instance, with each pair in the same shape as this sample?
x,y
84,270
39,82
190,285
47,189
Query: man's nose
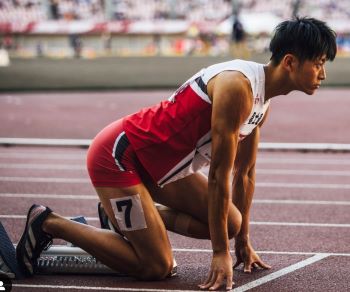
x,y
323,75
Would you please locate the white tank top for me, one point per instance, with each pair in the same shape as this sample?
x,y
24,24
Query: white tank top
x,y
256,75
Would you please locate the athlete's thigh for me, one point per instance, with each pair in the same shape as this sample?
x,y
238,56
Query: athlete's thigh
x,y
140,223
188,195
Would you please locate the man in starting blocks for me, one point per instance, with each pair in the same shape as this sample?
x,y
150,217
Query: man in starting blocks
x,y
155,155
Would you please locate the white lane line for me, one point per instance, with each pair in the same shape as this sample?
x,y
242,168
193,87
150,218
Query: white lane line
x,y
304,146
281,272
29,155
302,172
302,253
93,197
298,160
49,196
79,142
293,224
42,166
25,216
300,202
89,219
266,252
263,171
259,184
260,160
262,145
62,287
301,185
304,224
44,179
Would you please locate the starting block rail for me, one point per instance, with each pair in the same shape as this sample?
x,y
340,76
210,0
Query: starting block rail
x,y
62,259
71,260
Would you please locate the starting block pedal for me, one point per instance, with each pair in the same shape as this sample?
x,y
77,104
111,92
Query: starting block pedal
x,y
62,259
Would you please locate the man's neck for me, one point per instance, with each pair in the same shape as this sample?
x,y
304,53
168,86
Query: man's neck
x,y
276,82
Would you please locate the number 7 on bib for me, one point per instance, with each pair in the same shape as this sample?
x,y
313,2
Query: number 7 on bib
x,y
129,213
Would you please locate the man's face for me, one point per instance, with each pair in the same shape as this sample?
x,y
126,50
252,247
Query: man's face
x,y
310,74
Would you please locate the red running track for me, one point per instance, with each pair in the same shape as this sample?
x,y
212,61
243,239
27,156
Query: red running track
x,y
300,215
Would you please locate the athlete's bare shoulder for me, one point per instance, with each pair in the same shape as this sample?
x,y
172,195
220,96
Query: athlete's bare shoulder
x,y
230,92
231,82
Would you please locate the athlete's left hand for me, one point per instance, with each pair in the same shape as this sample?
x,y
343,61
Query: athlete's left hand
x,y
246,254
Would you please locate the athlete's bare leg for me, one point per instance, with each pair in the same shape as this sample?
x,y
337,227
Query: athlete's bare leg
x,y
148,253
188,200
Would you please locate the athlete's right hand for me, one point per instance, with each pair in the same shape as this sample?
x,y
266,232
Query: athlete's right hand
x,y
220,269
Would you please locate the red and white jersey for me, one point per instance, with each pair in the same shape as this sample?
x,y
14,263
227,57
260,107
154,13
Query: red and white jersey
x,y
173,139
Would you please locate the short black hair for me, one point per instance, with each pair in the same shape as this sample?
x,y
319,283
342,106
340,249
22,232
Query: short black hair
x,y
306,38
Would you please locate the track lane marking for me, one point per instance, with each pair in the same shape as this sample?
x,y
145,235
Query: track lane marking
x,y
53,156
43,166
293,224
296,172
262,171
305,224
258,184
98,288
301,185
301,202
282,272
297,160
50,196
43,179
82,155
93,197
266,252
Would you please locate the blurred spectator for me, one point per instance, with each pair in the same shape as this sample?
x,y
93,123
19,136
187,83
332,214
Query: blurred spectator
x,y
239,47
76,44
106,38
39,49
238,32
54,9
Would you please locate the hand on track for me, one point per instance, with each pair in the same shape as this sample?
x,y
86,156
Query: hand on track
x,y
221,269
245,254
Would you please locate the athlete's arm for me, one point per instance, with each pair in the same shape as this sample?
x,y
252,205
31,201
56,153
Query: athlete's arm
x,y
242,194
243,184
231,106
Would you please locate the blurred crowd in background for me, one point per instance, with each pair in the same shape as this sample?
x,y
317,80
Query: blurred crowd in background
x,y
93,28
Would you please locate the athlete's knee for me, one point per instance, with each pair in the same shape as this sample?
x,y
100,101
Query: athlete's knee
x,y
157,269
234,225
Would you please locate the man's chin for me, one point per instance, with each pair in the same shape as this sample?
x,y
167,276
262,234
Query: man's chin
x,y
310,91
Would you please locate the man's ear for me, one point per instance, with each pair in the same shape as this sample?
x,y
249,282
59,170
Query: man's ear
x,y
289,62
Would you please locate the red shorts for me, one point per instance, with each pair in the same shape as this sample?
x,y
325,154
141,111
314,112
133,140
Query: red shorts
x,y
111,160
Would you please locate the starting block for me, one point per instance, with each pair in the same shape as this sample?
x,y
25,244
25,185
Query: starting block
x,y
59,259
62,259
